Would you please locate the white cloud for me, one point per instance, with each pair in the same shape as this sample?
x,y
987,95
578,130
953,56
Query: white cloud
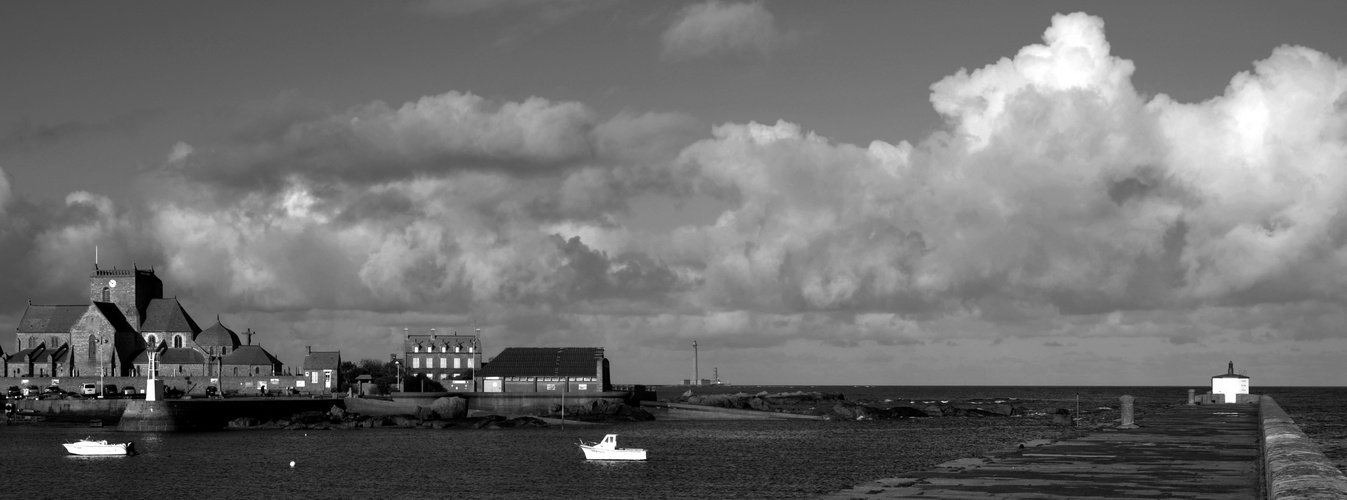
x,y
715,28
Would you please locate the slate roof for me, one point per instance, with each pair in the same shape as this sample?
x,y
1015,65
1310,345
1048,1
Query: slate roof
x,y
114,316
217,335
180,356
322,361
50,319
250,355
544,362
167,315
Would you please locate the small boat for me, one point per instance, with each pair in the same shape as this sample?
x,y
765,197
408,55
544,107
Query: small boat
x,y
87,446
608,450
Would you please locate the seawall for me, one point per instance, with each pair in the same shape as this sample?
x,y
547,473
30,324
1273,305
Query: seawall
x,y
212,414
498,403
683,411
1293,466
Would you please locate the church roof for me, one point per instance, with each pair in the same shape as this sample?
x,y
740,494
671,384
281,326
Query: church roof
x,y
114,316
181,356
544,362
250,355
322,361
167,315
217,336
50,319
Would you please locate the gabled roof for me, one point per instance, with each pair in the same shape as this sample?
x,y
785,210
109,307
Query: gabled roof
x,y
322,361
114,316
49,356
50,319
217,335
544,362
181,356
250,355
26,354
167,315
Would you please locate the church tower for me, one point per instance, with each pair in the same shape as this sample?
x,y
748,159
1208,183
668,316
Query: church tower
x,y
131,289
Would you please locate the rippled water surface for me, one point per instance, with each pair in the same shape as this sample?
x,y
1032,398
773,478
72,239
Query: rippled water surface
x,y
688,459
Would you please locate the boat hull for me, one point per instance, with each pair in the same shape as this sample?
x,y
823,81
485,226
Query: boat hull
x,y
621,454
98,449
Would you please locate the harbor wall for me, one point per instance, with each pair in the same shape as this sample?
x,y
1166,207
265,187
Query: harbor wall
x,y
1293,466
212,414
683,411
497,403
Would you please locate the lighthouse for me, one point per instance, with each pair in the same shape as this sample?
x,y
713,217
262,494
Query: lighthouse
x,y
1230,384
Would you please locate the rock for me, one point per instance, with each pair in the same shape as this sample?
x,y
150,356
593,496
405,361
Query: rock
x,y
336,412
405,421
528,422
310,417
441,424
905,412
1004,410
243,423
855,412
759,404
687,394
1062,417
423,413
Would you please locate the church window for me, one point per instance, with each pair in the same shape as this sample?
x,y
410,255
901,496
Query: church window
x,y
236,370
54,342
93,348
32,342
153,340
177,341
105,295
257,370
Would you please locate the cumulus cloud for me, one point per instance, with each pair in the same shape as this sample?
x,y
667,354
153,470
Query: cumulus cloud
x,y
716,28
1056,203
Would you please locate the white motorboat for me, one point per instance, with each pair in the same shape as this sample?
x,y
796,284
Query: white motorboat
x,y
87,446
608,450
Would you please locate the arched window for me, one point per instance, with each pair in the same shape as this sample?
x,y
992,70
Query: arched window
x,y
93,349
106,295
32,342
55,342
177,341
257,370
153,340
236,370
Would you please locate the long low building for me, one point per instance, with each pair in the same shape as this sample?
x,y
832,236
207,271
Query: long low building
x,y
547,369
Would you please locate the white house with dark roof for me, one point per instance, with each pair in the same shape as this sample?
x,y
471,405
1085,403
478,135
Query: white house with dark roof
x,y
322,371
546,369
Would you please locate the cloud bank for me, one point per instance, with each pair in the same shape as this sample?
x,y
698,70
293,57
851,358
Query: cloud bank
x,y
1057,204
715,28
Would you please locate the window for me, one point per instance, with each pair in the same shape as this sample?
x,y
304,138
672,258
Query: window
x,y
54,342
236,370
105,295
257,370
471,362
93,348
177,341
458,362
32,342
416,363
315,377
416,348
444,362
153,341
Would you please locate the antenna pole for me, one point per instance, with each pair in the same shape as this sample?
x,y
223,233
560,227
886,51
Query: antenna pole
x,y
696,368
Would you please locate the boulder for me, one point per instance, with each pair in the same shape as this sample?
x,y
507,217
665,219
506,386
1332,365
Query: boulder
x,y
856,412
1062,417
759,404
450,407
243,423
423,414
905,412
441,424
310,417
1003,410
336,412
405,421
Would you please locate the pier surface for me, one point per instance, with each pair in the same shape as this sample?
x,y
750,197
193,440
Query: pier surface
x,y
1198,452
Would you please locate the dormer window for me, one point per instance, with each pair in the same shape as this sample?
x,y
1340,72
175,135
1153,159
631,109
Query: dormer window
x,y
416,348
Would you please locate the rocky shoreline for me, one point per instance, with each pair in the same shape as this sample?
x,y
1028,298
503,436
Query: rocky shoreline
x,y
445,413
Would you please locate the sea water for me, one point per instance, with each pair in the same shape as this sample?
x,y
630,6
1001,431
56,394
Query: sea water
x,y
688,459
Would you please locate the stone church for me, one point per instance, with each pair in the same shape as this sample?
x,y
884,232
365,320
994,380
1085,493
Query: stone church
x,y
127,318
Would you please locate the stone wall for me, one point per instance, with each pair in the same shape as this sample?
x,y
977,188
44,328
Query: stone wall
x,y
1293,466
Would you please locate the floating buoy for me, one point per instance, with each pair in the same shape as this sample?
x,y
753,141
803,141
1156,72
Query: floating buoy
x,y
292,464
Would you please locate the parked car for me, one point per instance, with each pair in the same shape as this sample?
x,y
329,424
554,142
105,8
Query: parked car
x,y
14,392
54,392
129,391
89,389
212,392
31,392
110,390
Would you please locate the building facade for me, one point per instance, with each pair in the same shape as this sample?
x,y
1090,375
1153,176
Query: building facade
x,y
126,318
452,359
547,369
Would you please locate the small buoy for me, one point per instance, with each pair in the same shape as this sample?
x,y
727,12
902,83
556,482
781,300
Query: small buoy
x,y
292,464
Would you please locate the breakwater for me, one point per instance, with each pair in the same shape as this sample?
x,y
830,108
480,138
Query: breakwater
x,y
1293,466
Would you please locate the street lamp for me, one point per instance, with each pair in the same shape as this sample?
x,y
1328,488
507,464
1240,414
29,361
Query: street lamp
x,y
397,365
98,343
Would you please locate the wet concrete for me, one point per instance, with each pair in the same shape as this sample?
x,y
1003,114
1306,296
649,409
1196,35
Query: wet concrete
x,y
1198,452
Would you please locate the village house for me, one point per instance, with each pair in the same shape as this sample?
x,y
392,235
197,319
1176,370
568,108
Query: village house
x,y
547,369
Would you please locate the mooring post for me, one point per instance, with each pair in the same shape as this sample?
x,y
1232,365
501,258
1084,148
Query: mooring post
x,y
1191,392
1127,413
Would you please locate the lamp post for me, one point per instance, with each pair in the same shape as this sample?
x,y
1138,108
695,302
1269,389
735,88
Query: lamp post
x,y
397,366
98,344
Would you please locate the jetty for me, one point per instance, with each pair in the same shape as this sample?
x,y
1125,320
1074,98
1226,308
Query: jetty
x,y
1248,450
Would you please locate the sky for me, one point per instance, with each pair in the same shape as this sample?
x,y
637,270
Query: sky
x,y
817,193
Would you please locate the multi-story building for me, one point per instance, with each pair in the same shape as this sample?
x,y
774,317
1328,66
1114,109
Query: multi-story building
x,y
450,359
547,369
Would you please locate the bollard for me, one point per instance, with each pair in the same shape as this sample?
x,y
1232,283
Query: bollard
x,y
1127,413
1190,396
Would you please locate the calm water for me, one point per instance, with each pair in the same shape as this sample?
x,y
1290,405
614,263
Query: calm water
x,y
688,459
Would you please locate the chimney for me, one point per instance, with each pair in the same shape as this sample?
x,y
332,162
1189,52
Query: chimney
x,y
308,349
1231,369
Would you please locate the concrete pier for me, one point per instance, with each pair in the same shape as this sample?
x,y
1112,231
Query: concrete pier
x,y
1245,451
1209,452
